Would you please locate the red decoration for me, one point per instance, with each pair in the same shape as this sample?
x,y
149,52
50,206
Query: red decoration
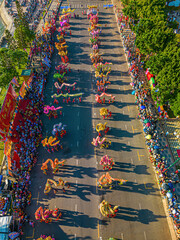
x,y
7,110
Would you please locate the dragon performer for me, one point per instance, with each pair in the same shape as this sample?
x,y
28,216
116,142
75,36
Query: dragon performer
x,y
106,181
107,210
54,165
102,129
106,162
51,182
43,215
44,237
104,143
105,113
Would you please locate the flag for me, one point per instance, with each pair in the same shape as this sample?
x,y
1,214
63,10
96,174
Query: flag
x,y
23,90
15,82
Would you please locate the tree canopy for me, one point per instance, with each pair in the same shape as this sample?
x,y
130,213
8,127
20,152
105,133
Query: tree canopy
x,y
155,38
165,66
23,34
10,60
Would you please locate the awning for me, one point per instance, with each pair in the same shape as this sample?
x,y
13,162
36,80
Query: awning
x,y
4,227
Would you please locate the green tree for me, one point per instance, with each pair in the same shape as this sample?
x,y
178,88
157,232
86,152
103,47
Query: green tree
x,y
131,9
10,40
19,57
165,66
153,36
9,62
22,34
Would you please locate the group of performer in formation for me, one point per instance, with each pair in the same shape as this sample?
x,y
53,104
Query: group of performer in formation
x,y
66,94
102,71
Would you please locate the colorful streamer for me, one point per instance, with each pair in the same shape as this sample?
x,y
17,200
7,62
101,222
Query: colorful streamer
x,y
56,84
67,95
47,108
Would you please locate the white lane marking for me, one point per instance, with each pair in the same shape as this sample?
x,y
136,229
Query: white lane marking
x,y
94,113
97,162
128,143
119,88
77,162
145,236
132,161
78,114
140,206
76,182
78,128
75,236
123,112
75,207
77,143
126,127
135,181
122,236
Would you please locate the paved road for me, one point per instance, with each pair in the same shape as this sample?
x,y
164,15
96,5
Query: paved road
x,y
141,214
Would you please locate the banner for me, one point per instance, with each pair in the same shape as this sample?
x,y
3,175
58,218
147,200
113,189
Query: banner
x,y
22,90
7,110
15,82
30,80
7,147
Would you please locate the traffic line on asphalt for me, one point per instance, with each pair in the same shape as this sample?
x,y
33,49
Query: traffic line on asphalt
x,y
128,108
78,127
77,143
98,227
140,206
128,143
96,186
41,162
123,112
134,129
32,234
36,198
126,127
122,236
75,236
132,161
147,187
135,180
78,114
76,182
75,207
77,162
145,235
139,156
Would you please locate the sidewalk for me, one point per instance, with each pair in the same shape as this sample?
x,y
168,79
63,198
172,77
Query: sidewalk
x,y
170,140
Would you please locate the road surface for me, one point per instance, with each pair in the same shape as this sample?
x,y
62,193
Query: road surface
x,y
141,214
